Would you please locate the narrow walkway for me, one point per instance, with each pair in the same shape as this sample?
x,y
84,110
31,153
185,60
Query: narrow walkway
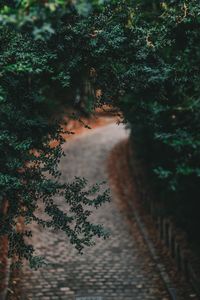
x,y
119,268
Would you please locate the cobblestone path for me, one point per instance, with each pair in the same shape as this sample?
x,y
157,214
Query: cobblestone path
x,y
119,268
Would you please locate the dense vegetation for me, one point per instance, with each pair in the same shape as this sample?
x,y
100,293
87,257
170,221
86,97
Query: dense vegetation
x,y
163,107
34,69
152,73
143,56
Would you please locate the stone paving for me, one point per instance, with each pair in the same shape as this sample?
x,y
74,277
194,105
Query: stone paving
x,y
119,268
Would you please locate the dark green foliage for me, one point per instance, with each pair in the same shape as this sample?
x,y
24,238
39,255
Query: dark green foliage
x,y
33,64
146,55
143,55
166,110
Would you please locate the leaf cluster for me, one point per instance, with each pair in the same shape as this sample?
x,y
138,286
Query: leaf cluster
x,y
38,61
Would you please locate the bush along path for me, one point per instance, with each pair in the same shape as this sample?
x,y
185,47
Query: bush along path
x,y
123,179
119,268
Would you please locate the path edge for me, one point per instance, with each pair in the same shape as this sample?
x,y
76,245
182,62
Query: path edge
x,y
168,283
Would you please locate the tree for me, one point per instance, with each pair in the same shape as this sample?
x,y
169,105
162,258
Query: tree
x,y
151,72
28,59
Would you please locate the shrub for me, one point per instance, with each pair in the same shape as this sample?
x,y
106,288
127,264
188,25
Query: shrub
x,y
151,72
32,61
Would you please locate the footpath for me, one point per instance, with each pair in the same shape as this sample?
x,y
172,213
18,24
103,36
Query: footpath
x,y
120,268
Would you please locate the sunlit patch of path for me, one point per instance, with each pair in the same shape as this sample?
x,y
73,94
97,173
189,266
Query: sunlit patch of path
x,y
115,269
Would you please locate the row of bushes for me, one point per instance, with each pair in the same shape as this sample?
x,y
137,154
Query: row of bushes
x,y
163,108
152,72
